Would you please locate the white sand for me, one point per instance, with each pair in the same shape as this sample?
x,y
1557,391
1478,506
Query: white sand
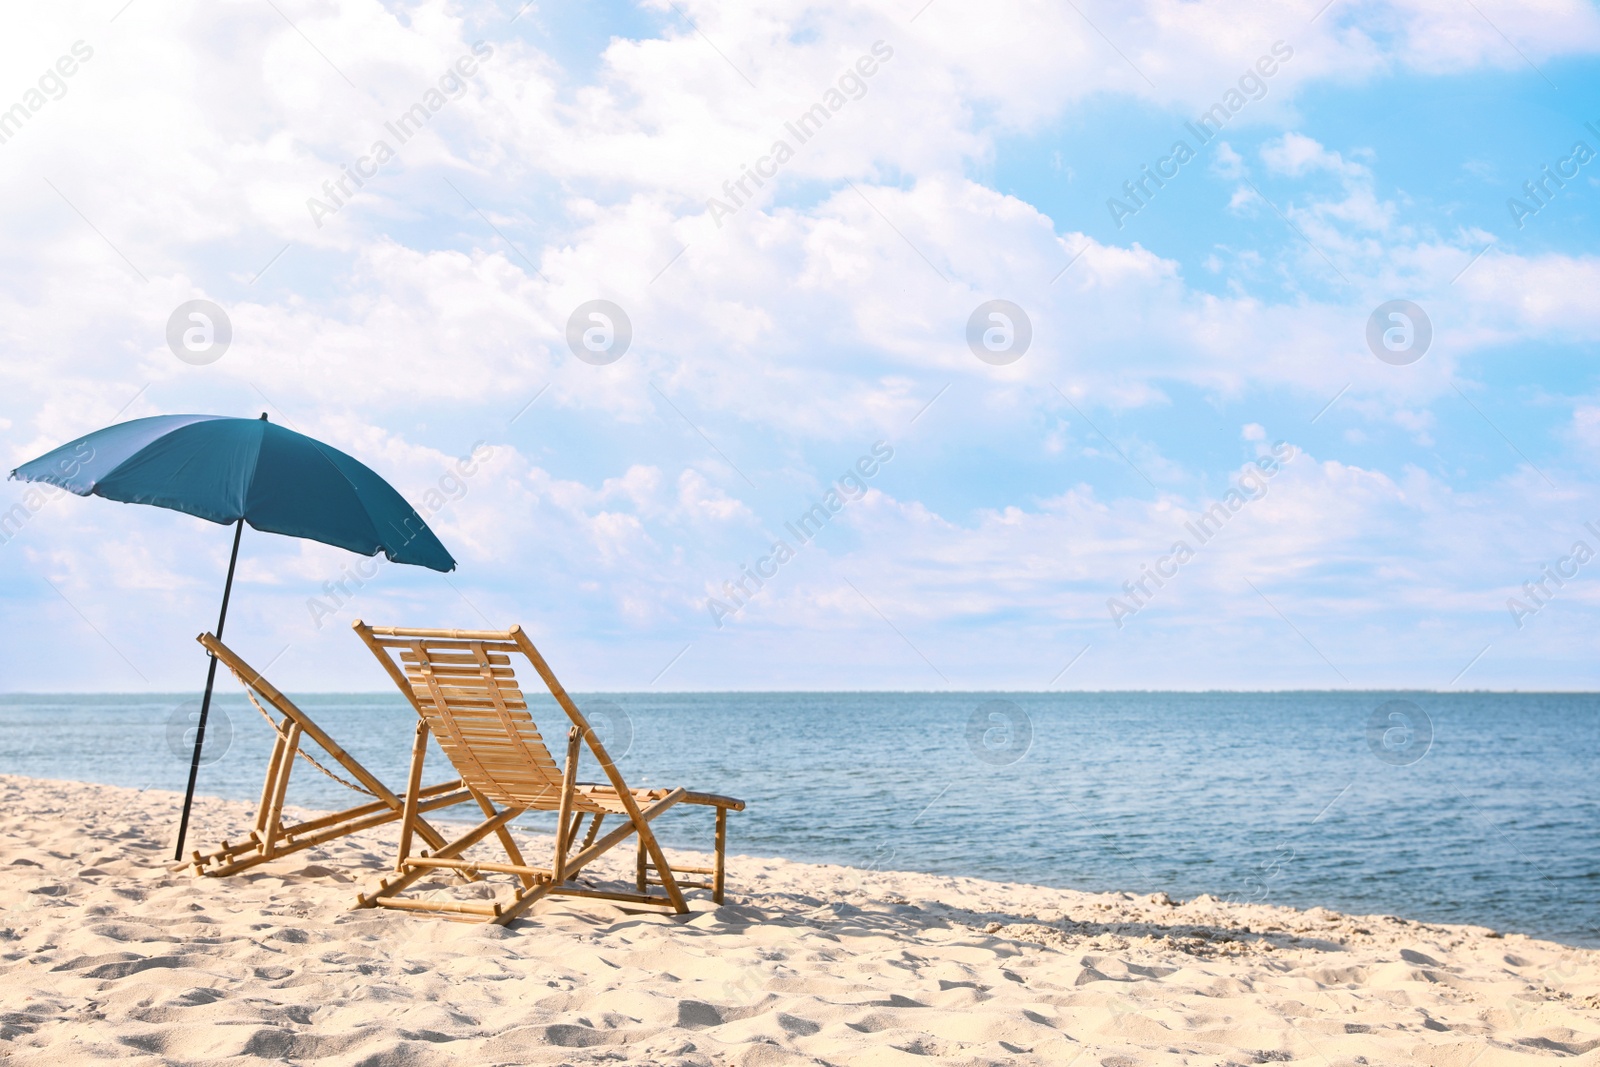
x,y
105,955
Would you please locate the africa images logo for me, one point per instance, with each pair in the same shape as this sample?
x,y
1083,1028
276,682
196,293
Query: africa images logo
x,y
452,85
1252,85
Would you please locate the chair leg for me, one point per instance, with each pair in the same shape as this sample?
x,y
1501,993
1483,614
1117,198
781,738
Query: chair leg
x,y
718,869
270,785
722,847
572,830
668,881
291,744
261,834
564,827
408,816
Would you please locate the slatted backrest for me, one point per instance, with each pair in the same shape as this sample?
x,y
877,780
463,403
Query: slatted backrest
x,y
463,685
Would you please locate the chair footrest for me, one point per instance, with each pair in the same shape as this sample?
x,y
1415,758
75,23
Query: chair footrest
x,y
474,866
684,885
458,907
609,894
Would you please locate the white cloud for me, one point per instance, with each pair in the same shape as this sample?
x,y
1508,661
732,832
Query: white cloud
x,y
1225,162
1296,155
826,313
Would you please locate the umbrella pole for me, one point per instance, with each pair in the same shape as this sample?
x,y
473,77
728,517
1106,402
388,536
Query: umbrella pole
x,y
205,702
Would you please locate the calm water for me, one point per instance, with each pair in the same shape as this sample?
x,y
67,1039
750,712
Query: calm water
x,y
1293,798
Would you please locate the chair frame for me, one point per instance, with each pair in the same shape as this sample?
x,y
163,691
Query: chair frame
x,y
270,839
575,800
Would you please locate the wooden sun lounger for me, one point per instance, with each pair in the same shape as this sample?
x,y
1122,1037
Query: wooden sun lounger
x,y
270,838
466,694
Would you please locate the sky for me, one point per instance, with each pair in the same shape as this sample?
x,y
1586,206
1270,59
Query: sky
x,y
1148,345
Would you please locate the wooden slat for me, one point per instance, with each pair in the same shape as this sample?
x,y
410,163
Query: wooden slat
x,y
462,658
504,755
478,865
444,726
524,751
459,676
449,639
470,696
484,720
611,894
470,685
459,907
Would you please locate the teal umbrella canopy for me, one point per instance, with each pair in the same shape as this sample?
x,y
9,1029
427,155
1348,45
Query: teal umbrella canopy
x,y
227,469
239,471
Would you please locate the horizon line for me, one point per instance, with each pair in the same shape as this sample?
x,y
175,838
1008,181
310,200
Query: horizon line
x,y
851,692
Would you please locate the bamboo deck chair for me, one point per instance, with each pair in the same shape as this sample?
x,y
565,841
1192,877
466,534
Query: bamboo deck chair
x,y
467,697
270,838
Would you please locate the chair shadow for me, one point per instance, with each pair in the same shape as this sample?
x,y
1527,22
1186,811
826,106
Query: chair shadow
x,y
1198,937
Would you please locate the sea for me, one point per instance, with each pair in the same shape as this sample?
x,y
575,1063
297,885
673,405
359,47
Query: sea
x,y
1479,808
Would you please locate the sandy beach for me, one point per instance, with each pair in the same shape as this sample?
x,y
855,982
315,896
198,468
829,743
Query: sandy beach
x,y
106,955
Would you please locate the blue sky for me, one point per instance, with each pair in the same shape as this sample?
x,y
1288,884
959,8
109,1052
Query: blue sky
x,y
774,346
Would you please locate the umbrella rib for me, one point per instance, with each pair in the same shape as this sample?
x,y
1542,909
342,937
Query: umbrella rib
x,y
361,500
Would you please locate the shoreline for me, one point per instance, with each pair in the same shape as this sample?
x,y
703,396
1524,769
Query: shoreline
x,y
805,963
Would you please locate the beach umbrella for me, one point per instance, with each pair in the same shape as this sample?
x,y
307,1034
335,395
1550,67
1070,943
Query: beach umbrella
x,y
236,471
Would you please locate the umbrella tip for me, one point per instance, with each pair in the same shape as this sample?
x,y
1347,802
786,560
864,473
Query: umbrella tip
x,y
263,416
